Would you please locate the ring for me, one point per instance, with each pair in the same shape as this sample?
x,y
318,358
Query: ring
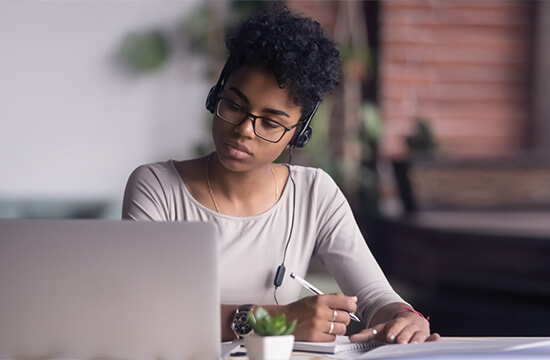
x,y
334,315
331,327
374,332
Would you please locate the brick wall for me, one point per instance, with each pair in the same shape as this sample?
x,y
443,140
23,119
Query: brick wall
x,y
325,12
465,65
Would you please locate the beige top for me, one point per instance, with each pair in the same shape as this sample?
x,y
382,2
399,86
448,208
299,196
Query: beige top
x,y
251,248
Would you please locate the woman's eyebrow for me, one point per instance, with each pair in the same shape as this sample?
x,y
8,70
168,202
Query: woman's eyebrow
x,y
276,112
240,94
268,110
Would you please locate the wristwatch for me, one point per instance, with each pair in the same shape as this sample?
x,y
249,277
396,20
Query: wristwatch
x,y
240,325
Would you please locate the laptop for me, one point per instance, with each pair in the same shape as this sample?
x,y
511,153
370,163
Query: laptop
x,y
90,289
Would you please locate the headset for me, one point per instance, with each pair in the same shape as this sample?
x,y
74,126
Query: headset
x,y
303,130
299,140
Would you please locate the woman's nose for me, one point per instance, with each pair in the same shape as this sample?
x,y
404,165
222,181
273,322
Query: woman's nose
x,y
246,128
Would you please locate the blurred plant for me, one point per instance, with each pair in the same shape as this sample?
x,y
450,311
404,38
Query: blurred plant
x,y
422,141
205,30
370,135
350,32
371,129
145,51
317,152
349,153
198,28
264,325
202,31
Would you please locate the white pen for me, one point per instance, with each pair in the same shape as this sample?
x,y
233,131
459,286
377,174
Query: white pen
x,y
316,291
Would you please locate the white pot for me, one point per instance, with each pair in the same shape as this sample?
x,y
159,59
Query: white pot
x,y
269,347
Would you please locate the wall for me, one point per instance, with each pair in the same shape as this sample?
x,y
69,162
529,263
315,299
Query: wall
x,y
465,65
73,123
541,105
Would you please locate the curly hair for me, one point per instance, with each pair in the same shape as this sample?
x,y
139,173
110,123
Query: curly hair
x,y
294,48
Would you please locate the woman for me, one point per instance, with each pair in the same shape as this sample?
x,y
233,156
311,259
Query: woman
x,y
275,216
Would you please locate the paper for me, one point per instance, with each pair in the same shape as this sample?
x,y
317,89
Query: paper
x,y
340,345
228,347
470,349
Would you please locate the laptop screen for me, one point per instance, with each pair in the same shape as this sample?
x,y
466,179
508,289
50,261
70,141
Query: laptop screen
x,y
108,289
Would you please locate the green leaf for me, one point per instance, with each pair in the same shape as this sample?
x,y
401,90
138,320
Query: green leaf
x,y
290,328
264,325
145,51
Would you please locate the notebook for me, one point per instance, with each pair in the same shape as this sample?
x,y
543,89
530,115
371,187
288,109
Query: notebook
x,y
340,345
86,289
465,349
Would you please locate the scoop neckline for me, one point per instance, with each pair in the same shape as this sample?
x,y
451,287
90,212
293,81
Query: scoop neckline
x,y
272,209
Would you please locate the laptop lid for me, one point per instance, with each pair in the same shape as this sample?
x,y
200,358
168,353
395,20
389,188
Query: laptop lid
x,y
88,289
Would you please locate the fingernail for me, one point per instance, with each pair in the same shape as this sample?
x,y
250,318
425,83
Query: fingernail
x,y
392,337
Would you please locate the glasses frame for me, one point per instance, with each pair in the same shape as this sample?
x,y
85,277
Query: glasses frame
x,y
254,117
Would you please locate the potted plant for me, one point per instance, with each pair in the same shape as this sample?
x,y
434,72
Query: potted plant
x,y
272,339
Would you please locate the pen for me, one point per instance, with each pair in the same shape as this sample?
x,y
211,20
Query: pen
x,y
316,291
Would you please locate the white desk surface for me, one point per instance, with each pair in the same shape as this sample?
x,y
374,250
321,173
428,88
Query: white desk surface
x,y
298,355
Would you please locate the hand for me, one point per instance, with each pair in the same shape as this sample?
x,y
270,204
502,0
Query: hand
x,y
315,314
407,327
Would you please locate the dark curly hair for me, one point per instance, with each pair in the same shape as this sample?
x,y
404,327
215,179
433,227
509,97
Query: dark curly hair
x,y
294,48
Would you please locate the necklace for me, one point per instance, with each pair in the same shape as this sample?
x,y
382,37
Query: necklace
x,y
212,192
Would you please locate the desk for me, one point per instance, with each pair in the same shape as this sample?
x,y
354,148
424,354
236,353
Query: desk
x,y
480,264
531,225
296,355
313,356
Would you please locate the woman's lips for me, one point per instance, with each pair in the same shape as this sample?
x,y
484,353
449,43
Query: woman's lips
x,y
238,151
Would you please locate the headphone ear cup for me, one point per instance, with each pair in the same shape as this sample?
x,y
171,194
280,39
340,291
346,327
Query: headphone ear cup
x,y
211,98
304,137
303,132
297,133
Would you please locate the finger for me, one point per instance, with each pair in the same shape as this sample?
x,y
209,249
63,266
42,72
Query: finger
x,y
341,316
315,334
324,331
365,335
336,328
418,337
331,328
434,337
394,328
408,333
339,328
324,337
315,331
341,302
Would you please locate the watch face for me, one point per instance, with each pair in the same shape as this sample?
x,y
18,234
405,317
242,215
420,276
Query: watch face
x,y
240,323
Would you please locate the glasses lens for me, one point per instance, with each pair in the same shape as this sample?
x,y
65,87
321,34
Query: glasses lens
x,y
269,129
265,128
230,112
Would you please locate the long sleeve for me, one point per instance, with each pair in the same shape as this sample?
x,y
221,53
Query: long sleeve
x,y
323,226
345,254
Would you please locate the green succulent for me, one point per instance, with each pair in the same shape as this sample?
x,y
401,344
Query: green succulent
x,y
264,325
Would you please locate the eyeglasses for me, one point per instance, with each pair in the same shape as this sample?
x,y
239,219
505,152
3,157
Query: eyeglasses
x,y
265,128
